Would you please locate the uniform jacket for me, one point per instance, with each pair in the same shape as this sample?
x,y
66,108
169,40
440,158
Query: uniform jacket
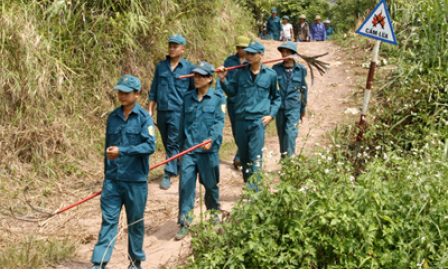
x,y
135,139
264,36
274,25
203,120
166,89
318,32
329,31
294,92
232,60
254,100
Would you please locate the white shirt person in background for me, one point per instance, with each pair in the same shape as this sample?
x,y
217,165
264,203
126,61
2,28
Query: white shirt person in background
x,y
288,30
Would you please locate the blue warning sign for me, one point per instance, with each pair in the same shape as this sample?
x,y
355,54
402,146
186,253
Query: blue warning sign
x,y
378,25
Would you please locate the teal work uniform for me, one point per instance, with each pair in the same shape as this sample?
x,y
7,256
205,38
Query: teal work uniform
x,y
294,91
253,100
274,27
168,91
330,31
263,36
200,120
232,60
125,181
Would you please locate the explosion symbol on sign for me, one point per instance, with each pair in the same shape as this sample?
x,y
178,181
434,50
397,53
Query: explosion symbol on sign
x,y
379,19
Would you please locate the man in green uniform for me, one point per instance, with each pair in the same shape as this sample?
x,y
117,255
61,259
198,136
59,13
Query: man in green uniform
x,y
257,101
294,91
237,59
274,25
202,118
167,94
130,139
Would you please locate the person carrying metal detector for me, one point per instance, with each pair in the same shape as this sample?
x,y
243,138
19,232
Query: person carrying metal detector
x,y
257,101
294,92
130,139
202,117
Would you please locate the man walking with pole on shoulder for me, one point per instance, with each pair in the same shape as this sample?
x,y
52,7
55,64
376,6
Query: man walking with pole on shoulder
x,y
167,94
237,59
257,101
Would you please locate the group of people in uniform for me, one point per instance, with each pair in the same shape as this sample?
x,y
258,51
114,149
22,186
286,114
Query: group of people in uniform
x,y
276,30
189,112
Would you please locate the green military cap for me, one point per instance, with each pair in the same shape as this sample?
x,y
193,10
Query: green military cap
x,y
302,17
128,83
178,39
288,45
286,17
242,41
273,10
204,69
255,47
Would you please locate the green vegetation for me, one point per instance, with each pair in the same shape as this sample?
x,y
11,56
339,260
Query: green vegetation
x,y
310,8
59,62
379,205
32,253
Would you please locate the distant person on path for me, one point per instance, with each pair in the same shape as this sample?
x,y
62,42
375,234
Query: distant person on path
x,y
130,139
202,118
274,25
303,30
294,91
257,101
167,94
237,59
288,30
328,28
264,35
318,31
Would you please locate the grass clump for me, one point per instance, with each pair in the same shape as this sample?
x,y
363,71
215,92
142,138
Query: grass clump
x,y
33,252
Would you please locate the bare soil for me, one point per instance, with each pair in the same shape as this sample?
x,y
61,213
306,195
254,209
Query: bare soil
x,y
328,99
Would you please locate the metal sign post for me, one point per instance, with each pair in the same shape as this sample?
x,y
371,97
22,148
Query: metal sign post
x,y
378,25
368,90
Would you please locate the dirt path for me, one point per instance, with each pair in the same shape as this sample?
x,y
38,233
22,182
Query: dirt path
x,y
328,98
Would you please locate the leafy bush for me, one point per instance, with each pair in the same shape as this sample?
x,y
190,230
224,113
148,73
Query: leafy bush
x,y
393,215
380,205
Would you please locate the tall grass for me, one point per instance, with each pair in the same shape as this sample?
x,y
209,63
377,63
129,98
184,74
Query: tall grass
x,y
59,61
35,252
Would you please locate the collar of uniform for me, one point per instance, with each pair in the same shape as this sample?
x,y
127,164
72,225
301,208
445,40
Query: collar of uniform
x,y
236,58
296,65
208,94
182,61
135,110
247,67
